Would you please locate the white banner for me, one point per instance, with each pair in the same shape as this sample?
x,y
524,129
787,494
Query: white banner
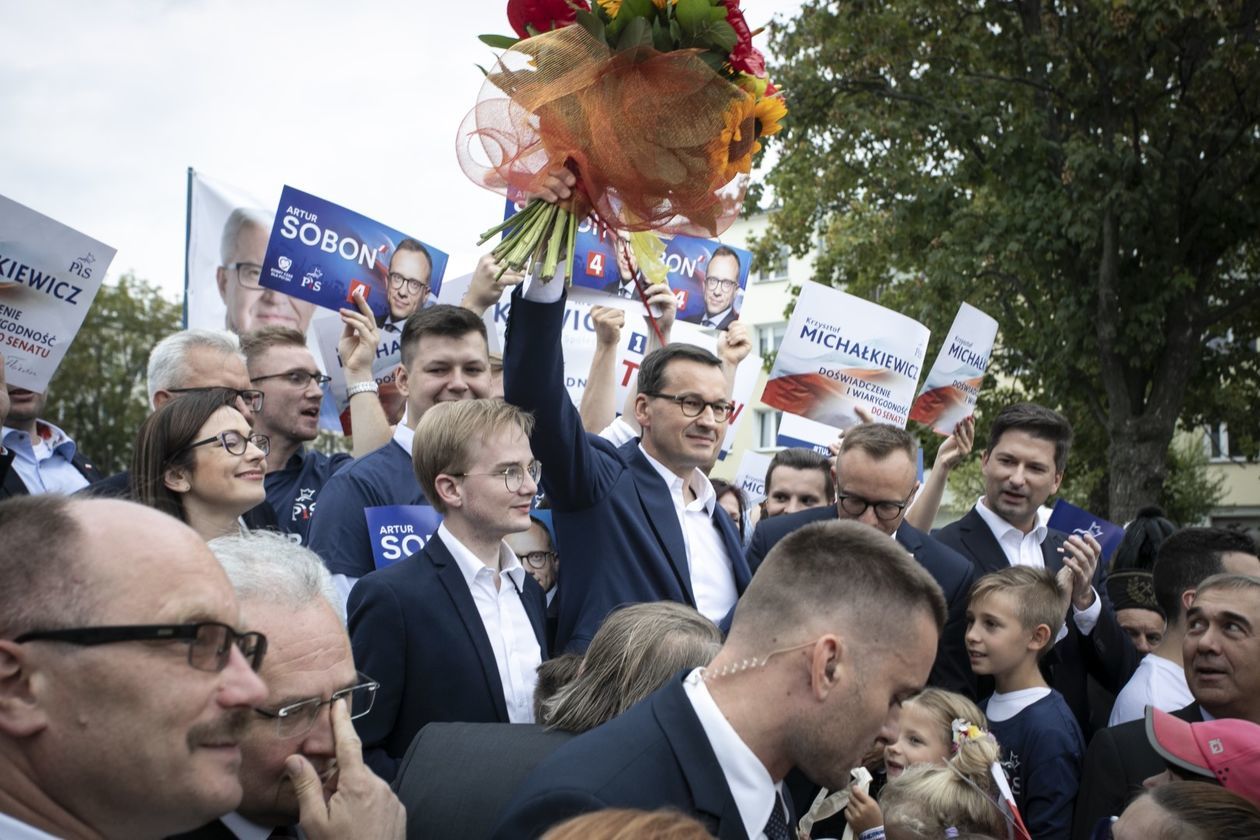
x,y
949,393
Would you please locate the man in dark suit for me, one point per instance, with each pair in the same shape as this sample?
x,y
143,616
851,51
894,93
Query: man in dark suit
x,y
721,285
313,692
42,458
837,627
407,288
875,483
458,630
1222,661
1022,466
638,522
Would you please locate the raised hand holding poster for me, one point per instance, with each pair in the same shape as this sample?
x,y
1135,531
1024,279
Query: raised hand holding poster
x,y
949,393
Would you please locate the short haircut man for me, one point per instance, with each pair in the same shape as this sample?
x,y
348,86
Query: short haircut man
x,y
445,358
721,285
796,479
812,672
132,731
459,626
875,482
250,305
410,270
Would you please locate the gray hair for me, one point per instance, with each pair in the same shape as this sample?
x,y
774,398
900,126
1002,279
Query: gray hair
x,y
267,566
167,359
238,219
1234,583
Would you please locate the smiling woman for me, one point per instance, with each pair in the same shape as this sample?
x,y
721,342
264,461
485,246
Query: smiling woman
x,y
197,459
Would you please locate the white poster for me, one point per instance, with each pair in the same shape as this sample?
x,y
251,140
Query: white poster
x,y
949,393
751,475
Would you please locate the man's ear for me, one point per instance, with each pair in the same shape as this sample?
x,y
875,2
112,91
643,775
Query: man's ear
x,y
177,480
827,665
221,279
20,713
161,397
400,380
641,411
449,490
1187,598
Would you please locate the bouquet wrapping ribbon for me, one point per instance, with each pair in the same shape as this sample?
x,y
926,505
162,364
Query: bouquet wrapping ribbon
x,y
829,805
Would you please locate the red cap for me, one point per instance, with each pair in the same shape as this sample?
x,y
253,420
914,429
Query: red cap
x,y
1227,750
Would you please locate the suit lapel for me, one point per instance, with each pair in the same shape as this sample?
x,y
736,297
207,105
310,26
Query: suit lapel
x,y
734,548
657,503
536,609
452,579
981,544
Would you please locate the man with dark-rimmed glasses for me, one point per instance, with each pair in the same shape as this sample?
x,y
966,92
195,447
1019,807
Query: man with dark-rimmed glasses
x,y
250,305
126,681
410,269
875,480
299,748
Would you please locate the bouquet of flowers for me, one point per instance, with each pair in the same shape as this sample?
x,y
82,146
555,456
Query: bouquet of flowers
x,y
656,106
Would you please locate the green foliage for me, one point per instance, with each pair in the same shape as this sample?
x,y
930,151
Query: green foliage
x,y
1088,174
98,394
1190,491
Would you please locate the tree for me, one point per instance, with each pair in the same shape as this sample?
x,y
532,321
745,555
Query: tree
x,y
1087,173
98,394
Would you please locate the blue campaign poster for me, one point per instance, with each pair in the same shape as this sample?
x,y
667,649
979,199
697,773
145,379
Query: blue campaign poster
x,y
600,265
1070,519
399,531
322,252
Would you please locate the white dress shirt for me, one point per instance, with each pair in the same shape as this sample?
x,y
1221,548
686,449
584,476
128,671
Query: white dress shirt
x,y
712,321
712,576
516,650
245,829
44,462
11,828
747,778
1025,550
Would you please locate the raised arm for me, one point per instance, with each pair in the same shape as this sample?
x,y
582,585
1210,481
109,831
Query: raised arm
x,y
928,501
598,407
357,349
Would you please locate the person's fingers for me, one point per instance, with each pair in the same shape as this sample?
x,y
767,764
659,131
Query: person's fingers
x,y
863,414
349,747
360,300
309,790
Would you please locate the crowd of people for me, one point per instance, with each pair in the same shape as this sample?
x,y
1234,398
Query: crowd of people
x,y
597,640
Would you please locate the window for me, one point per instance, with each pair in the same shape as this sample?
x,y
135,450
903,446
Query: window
x,y
767,427
778,269
1219,446
769,337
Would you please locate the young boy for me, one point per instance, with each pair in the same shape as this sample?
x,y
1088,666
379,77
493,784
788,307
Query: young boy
x,y
1012,620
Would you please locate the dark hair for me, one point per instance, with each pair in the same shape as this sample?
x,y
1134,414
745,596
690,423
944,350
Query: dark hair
x,y
442,320
1202,811
799,458
1142,539
726,251
1038,421
723,488
1188,557
409,244
161,442
553,675
652,371
42,546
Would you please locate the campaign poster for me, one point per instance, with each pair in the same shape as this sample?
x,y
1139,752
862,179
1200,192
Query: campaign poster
x,y
328,329
751,475
399,531
841,352
49,276
1070,519
949,393
796,432
708,278
322,253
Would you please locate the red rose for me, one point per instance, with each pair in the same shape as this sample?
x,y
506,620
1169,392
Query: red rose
x,y
542,15
745,58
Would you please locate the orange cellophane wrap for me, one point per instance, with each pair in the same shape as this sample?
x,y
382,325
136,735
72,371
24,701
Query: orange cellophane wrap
x,y
659,141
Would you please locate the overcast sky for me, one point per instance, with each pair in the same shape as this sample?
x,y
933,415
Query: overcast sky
x,y
106,103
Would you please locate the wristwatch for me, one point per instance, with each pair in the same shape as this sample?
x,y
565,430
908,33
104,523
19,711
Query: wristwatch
x,y
363,388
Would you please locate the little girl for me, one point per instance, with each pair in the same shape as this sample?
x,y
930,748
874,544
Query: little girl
x,y
929,736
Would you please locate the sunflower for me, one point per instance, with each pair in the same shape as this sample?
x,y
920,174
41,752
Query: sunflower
x,y
731,152
769,111
660,4
610,7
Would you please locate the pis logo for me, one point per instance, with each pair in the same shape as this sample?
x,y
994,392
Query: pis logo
x,y
82,267
285,263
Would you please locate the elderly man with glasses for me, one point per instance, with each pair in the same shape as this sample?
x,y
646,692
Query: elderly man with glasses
x,y
125,684
250,306
301,761
459,627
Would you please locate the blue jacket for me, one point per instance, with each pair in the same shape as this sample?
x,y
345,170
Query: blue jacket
x,y
619,537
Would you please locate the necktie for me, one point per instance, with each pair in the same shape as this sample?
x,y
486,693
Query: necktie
x,y
776,827
390,327
707,323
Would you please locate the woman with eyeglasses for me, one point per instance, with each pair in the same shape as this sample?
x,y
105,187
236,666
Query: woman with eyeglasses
x,y
197,459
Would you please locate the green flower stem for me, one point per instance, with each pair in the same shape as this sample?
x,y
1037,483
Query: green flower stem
x,y
559,227
572,237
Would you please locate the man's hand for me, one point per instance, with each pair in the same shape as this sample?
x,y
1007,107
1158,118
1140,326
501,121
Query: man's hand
x,y
608,323
485,290
556,186
862,812
666,302
734,344
1080,561
957,446
359,339
362,806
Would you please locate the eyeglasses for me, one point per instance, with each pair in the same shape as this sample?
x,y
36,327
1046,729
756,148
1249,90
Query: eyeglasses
x,y
537,559
720,283
297,378
252,399
414,286
298,718
247,274
210,643
234,442
693,406
513,474
855,506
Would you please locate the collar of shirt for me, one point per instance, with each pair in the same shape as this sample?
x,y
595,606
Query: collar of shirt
x,y
719,317
750,784
700,484
11,828
403,435
245,829
56,441
1005,530
296,461
470,566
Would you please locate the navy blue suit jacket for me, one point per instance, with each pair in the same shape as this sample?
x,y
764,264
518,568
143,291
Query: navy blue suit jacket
x,y
655,755
619,537
415,629
952,571
1106,654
